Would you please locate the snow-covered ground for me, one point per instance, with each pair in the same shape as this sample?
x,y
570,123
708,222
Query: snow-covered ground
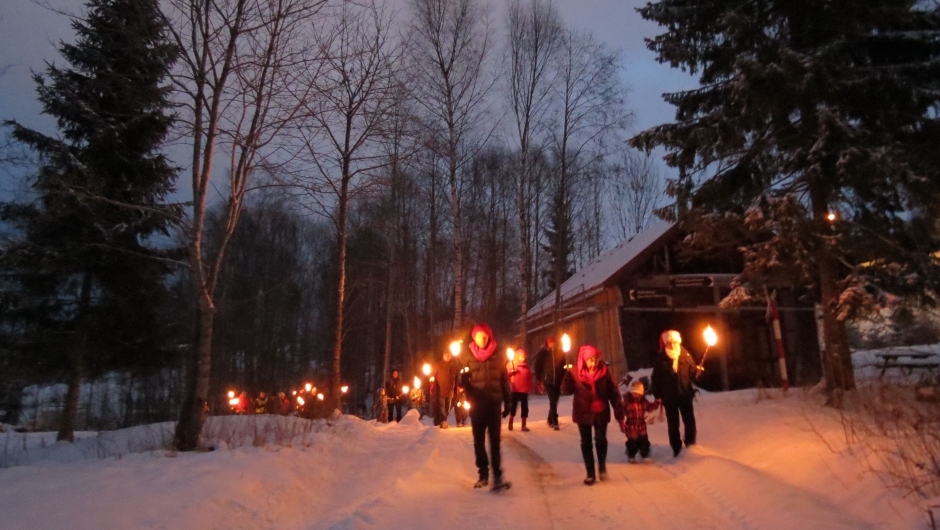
x,y
760,463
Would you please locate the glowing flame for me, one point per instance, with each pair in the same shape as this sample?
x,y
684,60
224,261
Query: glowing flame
x,y
510,353
831,216
565,343
320,397
455,348
466,405
344,389
711,338
426,369
307,387
432,379
300,400
404,389
231,394
295,392
233,402
417,382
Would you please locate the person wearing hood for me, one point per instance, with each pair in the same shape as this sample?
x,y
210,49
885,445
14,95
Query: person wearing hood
x,y
520,383
673,373
594,394
487,385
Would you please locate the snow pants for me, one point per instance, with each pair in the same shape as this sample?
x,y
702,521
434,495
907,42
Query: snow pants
x,y
517,398
553,391
640,444
587,451
485,417
683,408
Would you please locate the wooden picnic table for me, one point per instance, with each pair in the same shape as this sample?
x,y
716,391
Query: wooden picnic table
x,y
893,359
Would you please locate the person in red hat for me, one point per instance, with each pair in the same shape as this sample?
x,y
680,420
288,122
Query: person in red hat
x,y
520,383
594,393
487,386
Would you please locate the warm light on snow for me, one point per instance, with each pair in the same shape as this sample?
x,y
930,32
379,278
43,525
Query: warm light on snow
x,y
711,338
565,343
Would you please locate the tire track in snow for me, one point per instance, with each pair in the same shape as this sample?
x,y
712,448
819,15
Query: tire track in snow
x,y
541,470
679,471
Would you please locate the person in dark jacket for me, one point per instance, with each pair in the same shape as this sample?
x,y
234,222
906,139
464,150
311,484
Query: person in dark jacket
x,y
487,386
520,383
395,395
674,370
445,387
594,393
550,372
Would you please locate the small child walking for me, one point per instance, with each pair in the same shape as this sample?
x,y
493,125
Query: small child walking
x,y
380,406
635,407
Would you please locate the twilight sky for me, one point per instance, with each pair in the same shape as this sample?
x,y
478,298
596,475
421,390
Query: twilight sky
x,y
29,33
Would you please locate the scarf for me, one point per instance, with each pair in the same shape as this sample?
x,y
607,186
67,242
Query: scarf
x,y
482,354
673,349
589,378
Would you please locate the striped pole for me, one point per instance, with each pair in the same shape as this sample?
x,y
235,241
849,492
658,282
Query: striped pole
x,y
778,338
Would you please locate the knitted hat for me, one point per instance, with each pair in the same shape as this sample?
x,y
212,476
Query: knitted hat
x,y
636,387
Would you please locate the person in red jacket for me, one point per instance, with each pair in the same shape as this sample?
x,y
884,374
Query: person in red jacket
x,y
520,383
594,393
635,407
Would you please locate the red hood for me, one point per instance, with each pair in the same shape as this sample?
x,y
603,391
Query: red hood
x,y
584,353
484,353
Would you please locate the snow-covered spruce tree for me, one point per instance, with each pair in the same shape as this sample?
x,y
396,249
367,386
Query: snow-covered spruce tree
x,y
89,282
828,106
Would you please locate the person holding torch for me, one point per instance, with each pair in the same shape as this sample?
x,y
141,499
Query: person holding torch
x,y
444,375
487,385
520,383
674,370
396,395
550,372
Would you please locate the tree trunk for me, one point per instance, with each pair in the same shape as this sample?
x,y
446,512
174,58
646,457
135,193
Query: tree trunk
x,y
524,245
458,245
335,393
192,413
77,364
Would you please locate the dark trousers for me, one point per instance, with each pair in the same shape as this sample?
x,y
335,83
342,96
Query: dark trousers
x,y
682,408
553,392
394,411
640,444
485,417
442,410
517,398
600,442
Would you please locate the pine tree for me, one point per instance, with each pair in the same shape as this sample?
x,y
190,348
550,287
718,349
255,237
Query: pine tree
x,y
559,241
89,284
807,109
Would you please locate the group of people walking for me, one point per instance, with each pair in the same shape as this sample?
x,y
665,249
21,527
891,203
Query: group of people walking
x,y
497,389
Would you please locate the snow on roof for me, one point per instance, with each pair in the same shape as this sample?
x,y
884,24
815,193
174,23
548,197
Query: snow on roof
x,y
605,266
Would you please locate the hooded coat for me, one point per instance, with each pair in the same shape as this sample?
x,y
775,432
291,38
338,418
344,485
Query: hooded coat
x,y
585,394
521,380
486,381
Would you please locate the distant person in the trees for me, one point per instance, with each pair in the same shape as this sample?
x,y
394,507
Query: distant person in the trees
x,y
285,403
520,383
594,393
380,406
395,395
261,403
445,387
673,373
460,412
550,372
487,385
635,407
242,406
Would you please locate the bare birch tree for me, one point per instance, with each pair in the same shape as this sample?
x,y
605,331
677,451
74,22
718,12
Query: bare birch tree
x,y
634,190
239,59
535,30
355,92
450,42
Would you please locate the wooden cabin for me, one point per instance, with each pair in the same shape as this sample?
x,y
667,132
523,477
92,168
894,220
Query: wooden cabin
x,y
624,299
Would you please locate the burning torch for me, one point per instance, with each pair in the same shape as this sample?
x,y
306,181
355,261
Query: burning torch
x,y
511,354
711,338
565,343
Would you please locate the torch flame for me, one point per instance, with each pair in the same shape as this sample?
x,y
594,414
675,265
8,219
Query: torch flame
x,y
295,392
432,379
711,338
300,400
510,353
426,369
344,389
320,397
417,382
565,343
233,402
231,394
307,387
404,389
466,405
455,348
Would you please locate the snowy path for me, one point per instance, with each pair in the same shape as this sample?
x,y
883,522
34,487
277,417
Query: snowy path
x,y
758,467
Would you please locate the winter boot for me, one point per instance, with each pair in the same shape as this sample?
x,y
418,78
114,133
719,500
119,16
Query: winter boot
x,y
524,428
444,424
556,427
590,481
510,426
675,451
602,473
500,485
632,460
482,483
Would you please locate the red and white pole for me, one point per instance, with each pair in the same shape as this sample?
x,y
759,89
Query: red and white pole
x,y
778,338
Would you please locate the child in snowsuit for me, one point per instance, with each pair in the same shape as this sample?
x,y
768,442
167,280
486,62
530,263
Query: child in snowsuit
x,y
460,413
635,407
380,406
520,383
594,393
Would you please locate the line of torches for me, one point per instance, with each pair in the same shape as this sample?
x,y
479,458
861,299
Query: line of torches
x,y
308,388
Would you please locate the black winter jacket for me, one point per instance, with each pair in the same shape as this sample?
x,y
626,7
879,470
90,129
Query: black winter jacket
x,y
550,366
393,389
487,382
670,386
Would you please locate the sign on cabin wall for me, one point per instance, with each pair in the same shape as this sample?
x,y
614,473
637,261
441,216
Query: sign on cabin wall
x,y
691,281
646,294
